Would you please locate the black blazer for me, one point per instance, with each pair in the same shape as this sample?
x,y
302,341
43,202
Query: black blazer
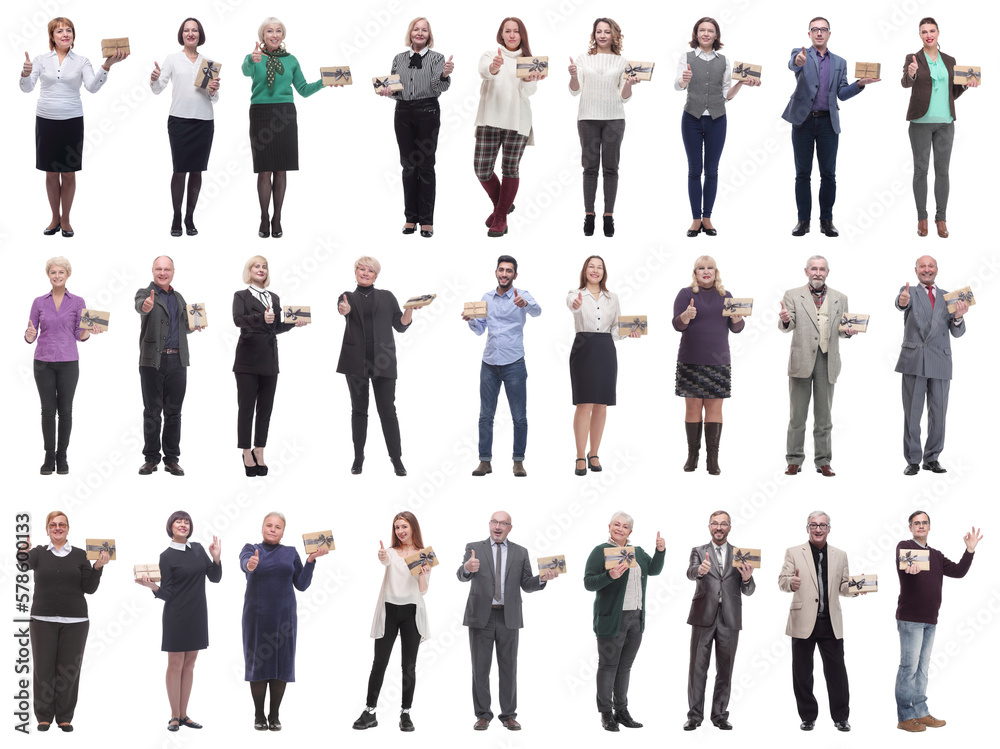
x,y
257,349
387,316
920,89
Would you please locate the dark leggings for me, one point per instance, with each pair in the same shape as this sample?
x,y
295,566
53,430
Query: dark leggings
x,y
385,403
56,381
401,619
704,139
254,391
259,688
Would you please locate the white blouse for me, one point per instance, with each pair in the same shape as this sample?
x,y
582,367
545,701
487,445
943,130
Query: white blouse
x,y
503,98
601,78
188,101
596,315
60,95
401,588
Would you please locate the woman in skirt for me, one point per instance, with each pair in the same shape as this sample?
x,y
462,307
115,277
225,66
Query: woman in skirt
x,y
593,363
59,116
191,123
704,375
274,135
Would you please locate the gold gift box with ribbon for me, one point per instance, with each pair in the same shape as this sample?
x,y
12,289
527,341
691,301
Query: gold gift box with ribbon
x,y
750,556
110,47
530,65
965,73
152,571
615,555
197,316
415,302
313,541
964,294
418,559
295,312
643,71
339,75
93,318
914,558
96,545
208,71
744,70
390,82
557,563
866,583
867,70
853,321
741,306
633,322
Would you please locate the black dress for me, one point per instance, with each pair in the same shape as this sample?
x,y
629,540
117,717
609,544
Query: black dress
x,y
182,590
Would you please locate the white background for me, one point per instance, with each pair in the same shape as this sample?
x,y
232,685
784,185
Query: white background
x,y
345,202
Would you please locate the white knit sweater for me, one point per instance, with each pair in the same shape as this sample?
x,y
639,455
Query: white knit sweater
x,y
601,77
503,98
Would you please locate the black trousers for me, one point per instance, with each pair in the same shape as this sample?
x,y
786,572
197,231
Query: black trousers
x,y
254,391
614,662
385,402
417,124
57,655
832,651
163,393
481,641
400,620
56,382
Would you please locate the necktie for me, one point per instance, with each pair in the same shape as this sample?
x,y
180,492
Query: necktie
x,y
930,295
822,587
722,567
497,594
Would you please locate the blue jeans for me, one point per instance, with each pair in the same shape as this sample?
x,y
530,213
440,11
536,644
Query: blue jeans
x,y
815,132
915,642
514,378
703,134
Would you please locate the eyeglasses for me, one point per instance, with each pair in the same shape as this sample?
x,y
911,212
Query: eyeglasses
x,y
819,526
500,523
718,525
58,526
819,30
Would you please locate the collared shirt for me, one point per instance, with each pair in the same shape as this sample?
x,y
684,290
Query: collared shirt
x,y
505,322
261,295
173,310
64,551
502,569
59,98
58,329
682,63
424,82
179,547
822,565
822,101
595,315
187,100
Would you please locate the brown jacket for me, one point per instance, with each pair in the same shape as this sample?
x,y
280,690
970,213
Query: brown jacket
x,y
920,88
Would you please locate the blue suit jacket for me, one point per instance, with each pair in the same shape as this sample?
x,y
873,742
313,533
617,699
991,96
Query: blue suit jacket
x,y
807,84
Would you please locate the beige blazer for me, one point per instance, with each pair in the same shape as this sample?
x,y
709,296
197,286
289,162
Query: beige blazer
x,y
805,601
805,331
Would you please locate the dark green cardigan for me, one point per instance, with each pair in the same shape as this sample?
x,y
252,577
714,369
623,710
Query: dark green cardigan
x,y
611,593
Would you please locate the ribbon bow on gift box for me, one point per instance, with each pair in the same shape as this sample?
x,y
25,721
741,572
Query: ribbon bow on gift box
x,y
321,540
964,296
623,556
196,312
741,556
294,314
744,70
559,565
636,324
381,83
852,320
91,320
535,66
636,69
337,74
970,73
911,558
730,305
858,584
103,547
208,69
424,558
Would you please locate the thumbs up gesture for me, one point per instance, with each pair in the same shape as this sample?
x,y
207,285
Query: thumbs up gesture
x,y
578,302
26,69
800,58
689,313
904,296
255,55
448,67
383,555
344,307
497,62
253,561
472,566
784,315
572,69
705,566
147,306
519,300
269,315
911,69
796,581
30,333
661,542
155,75
686,77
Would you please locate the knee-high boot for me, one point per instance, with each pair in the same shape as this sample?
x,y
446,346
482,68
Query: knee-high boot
x,y
693,429
713,431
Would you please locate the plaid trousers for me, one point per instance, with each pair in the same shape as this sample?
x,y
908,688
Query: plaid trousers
x,y
488,142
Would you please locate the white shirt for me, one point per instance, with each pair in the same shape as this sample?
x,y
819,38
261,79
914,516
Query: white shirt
x,y
64,551
401,587
188,100
60,95
727,79
261,295
179,547
601,77
595,315
503,98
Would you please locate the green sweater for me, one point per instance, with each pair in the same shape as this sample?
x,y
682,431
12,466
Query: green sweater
x,y
611,593
281,93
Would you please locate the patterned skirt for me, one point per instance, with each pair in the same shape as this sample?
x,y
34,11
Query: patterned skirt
x,y
703,380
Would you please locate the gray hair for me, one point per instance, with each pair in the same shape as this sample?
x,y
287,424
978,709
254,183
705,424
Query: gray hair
x,y
271,21
61,262
818,257
816,514
274,515
625,516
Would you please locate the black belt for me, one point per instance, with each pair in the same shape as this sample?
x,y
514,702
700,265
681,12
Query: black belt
x,y
820,113
171,351
498,606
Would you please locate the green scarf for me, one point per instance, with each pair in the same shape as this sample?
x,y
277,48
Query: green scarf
x,y
273,63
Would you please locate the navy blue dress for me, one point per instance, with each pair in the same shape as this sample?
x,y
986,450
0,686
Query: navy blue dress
x,y
182,590
270,621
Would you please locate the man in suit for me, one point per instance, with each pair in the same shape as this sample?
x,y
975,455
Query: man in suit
x,y
925,363
812,313
820,79
716,616
163,361
498,570
816,575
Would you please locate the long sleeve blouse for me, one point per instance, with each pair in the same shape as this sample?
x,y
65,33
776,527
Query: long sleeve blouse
x,y
59,98
58,329
424,82
601,80
704,340
187,100
503,98
61,581
401,588
281,93
595,315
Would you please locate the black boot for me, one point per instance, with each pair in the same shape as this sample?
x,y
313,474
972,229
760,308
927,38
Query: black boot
x,y
713,431
62,467
50,463
693,429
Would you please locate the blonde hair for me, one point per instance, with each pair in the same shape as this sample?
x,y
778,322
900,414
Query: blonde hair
x,y
55,22
371,262
60,261
271,21
718,276
409,29
250,264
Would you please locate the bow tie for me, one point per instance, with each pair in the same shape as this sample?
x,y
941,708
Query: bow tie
x,y
416,61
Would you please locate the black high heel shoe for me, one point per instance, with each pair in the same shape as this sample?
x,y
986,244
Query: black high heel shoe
x,y
397,466
357,465
410,229
588,224
591,466
250,470
276,232
581,471
261,468
48,233
189,227
264,231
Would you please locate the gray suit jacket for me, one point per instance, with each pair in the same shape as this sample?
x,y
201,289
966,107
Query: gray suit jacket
x,y
155,327
518,578
805,331
926,351
805,601
705,603
807,85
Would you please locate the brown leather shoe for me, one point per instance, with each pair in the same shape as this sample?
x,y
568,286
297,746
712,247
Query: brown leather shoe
x,y
826,471
481,725
942,228
922,228
912,725
512,725
792,469
519,469
483,468
174,469
930,721
147,468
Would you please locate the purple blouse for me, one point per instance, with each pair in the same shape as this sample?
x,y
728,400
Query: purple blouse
x,y
704,340
58,330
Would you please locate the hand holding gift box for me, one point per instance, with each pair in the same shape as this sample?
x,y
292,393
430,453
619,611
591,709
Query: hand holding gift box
x,y
617,556
319,539
94,320
298,314
914,559
532,68
415,302
421,561
143,572
336,76
867,70
101,550
744,72
197,316
474,310
859,585
737,307
115,47
387,84
207,73
633,323
742,556
967,75
550,567
954,298
853,322
639,71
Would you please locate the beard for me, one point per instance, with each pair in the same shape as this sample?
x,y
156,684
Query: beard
x,y
817,283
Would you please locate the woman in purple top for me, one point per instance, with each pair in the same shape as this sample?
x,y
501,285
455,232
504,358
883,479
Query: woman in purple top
x,y
703,366
54,321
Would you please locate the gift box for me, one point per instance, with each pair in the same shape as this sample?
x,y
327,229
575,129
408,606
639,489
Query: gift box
x,y
417,559
964,295
965,73
530,65
208,72
853,321
743,70
557,563
320,538
643,71
914,558
92,318
615,555
152,571
338,76
294,313
197,316
632,322
867,70
737,306
96,545
474,310
110,47
750,556
415,302
866,583
390,82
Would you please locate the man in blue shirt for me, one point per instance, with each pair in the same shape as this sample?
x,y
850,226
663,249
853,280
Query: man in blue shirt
x,y
503,362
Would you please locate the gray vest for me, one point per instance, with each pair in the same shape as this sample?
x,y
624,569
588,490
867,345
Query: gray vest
x,y
705,88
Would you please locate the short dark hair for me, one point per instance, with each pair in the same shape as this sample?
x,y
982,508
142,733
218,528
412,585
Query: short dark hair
x,y
717,44
927,20
909,520
179,515
507,259
820,18
201,32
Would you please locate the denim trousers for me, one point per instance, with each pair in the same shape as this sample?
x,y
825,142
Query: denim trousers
x,y
703,140
815,133
916,640
514,378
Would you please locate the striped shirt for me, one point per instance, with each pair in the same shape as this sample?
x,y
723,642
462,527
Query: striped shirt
x,y
420,83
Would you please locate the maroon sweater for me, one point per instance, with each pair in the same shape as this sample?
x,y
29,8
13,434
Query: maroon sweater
x,y
920,594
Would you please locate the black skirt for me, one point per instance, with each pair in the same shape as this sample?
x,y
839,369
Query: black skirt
x,y
274,138
190,143
703,380
59,144
593,369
